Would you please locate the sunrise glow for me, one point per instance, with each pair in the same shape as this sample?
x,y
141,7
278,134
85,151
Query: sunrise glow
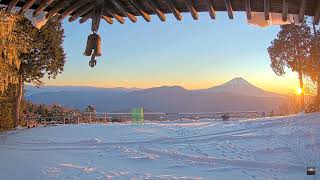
x,y
299,91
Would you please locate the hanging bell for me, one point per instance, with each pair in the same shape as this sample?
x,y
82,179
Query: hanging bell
x,y
93,48
93,45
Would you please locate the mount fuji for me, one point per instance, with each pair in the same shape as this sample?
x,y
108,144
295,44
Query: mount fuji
x,y
240,86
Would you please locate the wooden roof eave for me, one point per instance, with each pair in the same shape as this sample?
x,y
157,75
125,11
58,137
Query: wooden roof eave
x,y
145,8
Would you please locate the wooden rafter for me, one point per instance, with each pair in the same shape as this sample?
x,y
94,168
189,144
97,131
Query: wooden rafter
x,y
145,8
156,10
26,6
302,10
317,13
96,18
145,15
81,12
247,4
173,9
285,9
122,9
228,5
11,5
57,8
108,19
191,9
119,18
86,17
266,9
42,6
210,9
78,4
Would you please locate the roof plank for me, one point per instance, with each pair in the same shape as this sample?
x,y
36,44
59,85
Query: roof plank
x,y
86,17
26,6
57,8
191,9
81,12
302,10
173,9
266,9
247,4
119,18
78,4
121,8
42,6
285,9
317,13
11,5
145,15
107,19
229,8
156,10
210,9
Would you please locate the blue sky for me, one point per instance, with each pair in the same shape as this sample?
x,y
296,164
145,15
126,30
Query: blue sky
x,y
192,54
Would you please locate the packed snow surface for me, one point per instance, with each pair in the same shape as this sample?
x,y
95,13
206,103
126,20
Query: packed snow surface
x,y
268,148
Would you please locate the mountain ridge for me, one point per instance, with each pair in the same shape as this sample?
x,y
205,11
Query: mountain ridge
x,y
235,95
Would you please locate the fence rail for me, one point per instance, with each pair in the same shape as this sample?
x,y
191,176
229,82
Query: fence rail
x,y
127,117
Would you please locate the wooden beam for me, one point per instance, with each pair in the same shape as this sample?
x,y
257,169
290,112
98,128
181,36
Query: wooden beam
x,y
86,17
96,18
191,9
285,9
26,6
72,8
266,9
119,18
247,4
145,15
228,5
122,9
108,19
173,9
11,5
42,6
81,12
210,9
155,9
317,13
57,8
302,10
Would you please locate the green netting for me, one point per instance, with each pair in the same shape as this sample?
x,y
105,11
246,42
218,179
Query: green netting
x,y
137,116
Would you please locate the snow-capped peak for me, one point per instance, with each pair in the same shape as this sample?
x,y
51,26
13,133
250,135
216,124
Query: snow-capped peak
x,y
241,86
238,81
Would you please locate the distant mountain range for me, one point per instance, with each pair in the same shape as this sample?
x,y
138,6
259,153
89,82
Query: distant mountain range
x,y
235,95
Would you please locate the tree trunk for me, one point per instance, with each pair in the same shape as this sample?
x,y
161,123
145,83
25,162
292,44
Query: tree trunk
x,y
16,113
318,68
302,93
318,90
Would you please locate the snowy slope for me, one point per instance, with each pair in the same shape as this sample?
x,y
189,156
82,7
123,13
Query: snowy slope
x,y
269,148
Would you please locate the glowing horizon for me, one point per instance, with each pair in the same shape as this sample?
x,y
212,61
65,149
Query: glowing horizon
x,y
192,54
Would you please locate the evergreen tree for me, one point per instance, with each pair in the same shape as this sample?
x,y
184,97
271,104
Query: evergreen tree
x,y
90,109
45,57
291,49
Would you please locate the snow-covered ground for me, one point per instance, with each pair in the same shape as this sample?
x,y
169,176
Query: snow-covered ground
x,y
269,148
